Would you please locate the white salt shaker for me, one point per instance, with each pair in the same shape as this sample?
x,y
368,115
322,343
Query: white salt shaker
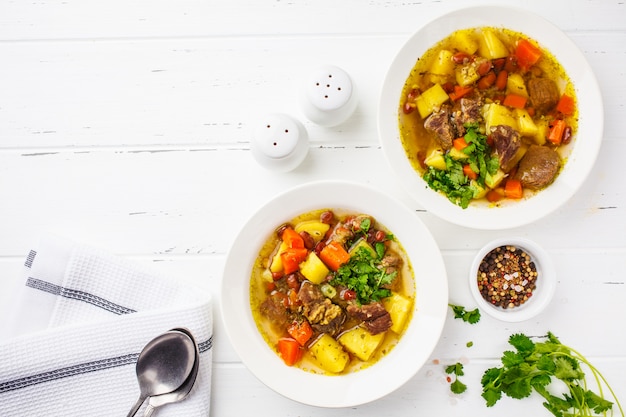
x,y
328,97
279,142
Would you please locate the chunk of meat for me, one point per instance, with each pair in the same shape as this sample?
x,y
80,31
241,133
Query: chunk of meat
x,y
538,167
274,308
507,142
439,124
324,316
544,94
376,319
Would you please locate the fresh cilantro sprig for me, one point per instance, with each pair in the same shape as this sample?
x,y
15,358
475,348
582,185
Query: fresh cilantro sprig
x,y
452,181
365,275
471,317
534,366
456,386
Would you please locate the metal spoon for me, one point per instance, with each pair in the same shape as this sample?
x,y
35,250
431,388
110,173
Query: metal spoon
x,y
164,365
183,391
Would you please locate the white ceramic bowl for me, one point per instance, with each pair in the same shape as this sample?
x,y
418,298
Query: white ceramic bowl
x,y
587,140
545,282
394,369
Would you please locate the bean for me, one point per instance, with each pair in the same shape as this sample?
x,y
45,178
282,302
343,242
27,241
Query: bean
x,y
327,217
483,68
486,81
281,229
501,80
461,58
567,135
309,242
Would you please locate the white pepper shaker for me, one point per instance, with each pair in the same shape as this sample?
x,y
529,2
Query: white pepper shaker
x,y
328,97
279,142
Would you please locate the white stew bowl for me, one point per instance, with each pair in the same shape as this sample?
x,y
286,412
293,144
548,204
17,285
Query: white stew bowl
x,y
395,368
584,149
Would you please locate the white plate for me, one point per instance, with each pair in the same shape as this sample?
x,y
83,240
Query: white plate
x,y
393,370
587,140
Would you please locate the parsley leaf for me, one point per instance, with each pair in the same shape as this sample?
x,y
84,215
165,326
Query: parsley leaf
x,y
365,275
471,317
456,386
452,181
536,366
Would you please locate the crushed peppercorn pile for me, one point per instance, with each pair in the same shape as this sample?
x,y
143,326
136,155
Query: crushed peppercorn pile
x,y
507,277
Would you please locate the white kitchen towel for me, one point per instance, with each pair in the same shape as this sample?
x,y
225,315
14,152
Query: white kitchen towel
x,y
79,325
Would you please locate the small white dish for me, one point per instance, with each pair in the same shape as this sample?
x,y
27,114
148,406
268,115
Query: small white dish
x,y
545,284
397,366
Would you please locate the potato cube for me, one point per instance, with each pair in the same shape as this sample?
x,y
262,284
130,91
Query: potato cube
x,y
465,41
442,67
515,85
490,46
313,269
277,262
525,123
492,181
315,228
467,74
329,354
435,159
479,190
496,115
431,100
361,343
399,308
362,243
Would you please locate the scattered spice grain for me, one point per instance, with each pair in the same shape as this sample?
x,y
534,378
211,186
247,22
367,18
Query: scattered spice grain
x,y
507,277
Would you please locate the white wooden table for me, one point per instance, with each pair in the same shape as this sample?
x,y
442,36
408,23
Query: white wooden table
x,y
126,124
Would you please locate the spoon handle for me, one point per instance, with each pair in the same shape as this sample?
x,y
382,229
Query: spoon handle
x,y
149,410
136,407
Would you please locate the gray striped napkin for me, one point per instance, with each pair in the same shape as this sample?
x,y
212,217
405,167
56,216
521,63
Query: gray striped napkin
x,y
78,326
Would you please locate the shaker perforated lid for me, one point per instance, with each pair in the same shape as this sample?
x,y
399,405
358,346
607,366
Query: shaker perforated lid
x,y
328,96
279,142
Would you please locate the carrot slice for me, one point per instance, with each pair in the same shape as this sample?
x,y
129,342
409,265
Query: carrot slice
x,y
459,92
334,255
514,100
301,331
291,259
557,128
469,172
459,143
566,105
292,239
527,54
513,189
289,349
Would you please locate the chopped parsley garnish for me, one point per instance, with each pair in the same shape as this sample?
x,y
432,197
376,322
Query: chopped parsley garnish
x,y
365,275
452,181
471,317
456,386
536,366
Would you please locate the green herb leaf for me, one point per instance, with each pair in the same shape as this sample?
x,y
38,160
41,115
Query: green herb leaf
x,y
460,312
365,275
535,366
458,387
452,181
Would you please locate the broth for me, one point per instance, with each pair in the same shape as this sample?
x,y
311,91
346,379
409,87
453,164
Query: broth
x,y
268,282
489,69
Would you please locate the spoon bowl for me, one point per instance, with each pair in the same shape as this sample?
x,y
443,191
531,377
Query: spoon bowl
x,y
183,391
164,364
